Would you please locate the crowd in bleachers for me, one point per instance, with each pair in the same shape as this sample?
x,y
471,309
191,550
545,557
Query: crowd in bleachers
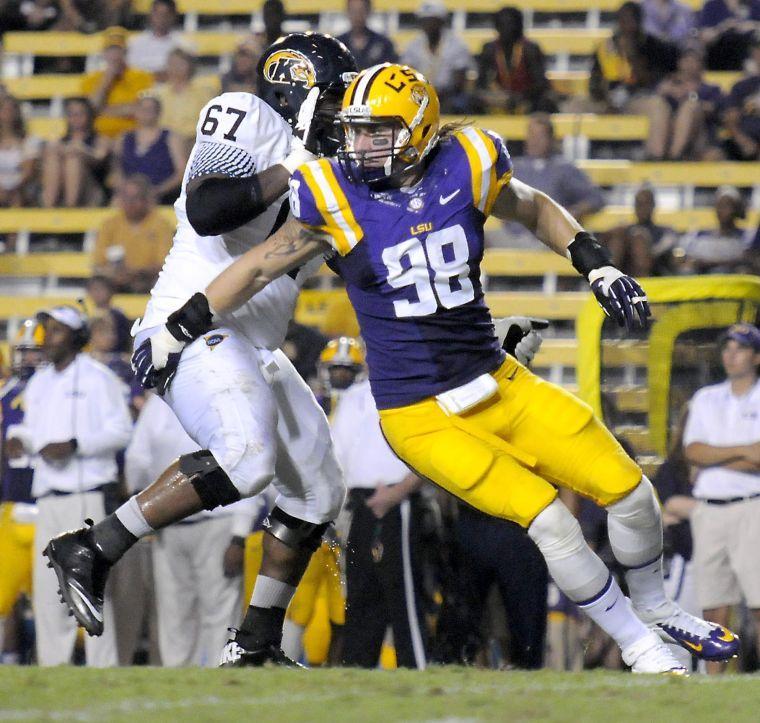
x,y
134,112
692,70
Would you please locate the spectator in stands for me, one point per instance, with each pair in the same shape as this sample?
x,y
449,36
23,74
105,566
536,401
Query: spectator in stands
x,y
625,74
273,16
369,48
90,16
668,20
542,168
722,440
724,250
102,348
183,95
36,15
150,49
74,166
100,291
241,77
642,247
694,107
441,56
726,28
151,151
741,116
512,69
113,92
19,156
131,244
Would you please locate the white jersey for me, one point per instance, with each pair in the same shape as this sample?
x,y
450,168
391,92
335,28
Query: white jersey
x,y
237,135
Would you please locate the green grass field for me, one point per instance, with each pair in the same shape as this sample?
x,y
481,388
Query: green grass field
x,y
439,694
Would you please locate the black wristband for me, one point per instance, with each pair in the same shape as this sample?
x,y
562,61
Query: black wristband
x,y
237,540
191,320
587,254
74,444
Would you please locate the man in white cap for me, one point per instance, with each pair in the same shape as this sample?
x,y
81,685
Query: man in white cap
x,y
441,56
76,421
722,440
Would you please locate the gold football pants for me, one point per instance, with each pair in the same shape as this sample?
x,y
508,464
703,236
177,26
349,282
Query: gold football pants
x,y
507,456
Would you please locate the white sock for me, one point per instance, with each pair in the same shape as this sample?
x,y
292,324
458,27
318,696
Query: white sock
x,y
612,612
271,593
292,640
130,515
646,585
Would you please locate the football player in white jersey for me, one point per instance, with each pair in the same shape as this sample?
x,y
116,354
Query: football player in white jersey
x,y
235,394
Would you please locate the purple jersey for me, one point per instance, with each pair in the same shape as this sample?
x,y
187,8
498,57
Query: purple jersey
x,y
410,259
16,483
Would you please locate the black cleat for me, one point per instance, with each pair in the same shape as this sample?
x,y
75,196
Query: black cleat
x,y
82,574
235,656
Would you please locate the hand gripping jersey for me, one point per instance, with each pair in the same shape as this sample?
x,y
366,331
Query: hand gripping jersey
x,y
410,258
237,135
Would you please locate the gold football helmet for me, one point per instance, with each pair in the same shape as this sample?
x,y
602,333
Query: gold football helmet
x,y
389,96
26,347
342,362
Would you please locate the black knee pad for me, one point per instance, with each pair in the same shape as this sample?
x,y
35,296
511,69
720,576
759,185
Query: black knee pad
x,y
210,481
295,533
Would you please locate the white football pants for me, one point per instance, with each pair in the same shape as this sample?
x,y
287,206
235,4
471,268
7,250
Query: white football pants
x,y
257,416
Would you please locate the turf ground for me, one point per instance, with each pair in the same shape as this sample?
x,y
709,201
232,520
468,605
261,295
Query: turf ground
x,y
453,695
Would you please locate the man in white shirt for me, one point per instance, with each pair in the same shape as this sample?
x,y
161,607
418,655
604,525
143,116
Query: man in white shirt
x,y
441,56
76,421
150,49
197,563
722,439
383,580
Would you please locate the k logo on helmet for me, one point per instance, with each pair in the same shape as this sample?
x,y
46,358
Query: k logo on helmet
x,y
290,67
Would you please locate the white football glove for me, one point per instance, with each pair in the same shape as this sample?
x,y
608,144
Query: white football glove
x,y
299,154
519,337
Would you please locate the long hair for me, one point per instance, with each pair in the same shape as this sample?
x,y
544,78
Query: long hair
x,y
18,125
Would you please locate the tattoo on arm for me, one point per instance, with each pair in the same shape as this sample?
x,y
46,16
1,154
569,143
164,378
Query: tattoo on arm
x,y
289,245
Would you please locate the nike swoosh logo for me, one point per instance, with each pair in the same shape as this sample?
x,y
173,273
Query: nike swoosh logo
x,y
693,646
726,636
89,605
611,606
443,200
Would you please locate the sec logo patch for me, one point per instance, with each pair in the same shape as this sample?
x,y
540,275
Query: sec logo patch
x,y
215,340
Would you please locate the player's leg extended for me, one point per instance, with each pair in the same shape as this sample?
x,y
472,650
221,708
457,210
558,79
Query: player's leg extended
x,y
311,492
584,456
467,455
224,404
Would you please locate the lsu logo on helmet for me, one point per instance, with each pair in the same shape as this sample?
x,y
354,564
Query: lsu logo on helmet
x,y
289,67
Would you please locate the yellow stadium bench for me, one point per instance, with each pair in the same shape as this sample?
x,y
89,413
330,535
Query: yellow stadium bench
x,y
575,82
571,41
629,400
48,129
707,174
561,306
44,86
72,264
553,42
597,127
519,262
59,220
